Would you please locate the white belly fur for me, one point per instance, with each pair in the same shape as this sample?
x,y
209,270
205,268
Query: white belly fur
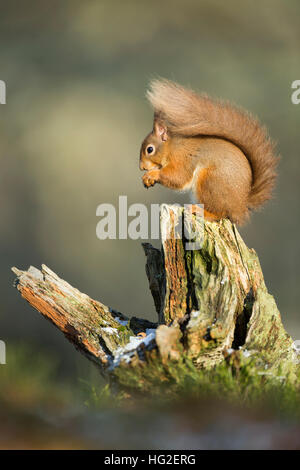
x,y
191,185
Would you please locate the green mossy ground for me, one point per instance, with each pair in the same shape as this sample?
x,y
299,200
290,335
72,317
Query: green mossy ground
x,y
238,380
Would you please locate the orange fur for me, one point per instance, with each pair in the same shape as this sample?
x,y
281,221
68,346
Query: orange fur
x,y
202,176
211,217
213,148
207,215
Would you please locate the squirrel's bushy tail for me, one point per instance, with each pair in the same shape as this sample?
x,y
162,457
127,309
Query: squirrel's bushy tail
x,y
189,114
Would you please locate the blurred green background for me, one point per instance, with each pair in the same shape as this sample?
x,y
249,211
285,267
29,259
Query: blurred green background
x,y
76,74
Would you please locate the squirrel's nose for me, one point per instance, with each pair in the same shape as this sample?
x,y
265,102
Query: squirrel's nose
x,y
142,166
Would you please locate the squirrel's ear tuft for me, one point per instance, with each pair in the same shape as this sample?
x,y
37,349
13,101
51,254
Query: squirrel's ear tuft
x,y
160,131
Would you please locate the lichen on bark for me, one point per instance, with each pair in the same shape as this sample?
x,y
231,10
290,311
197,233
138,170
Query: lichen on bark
x,y
212,303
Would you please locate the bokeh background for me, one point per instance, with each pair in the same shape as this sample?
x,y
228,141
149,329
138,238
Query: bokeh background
x,y
76,74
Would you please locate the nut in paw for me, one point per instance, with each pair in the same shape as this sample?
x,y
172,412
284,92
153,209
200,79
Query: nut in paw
x,y
150,178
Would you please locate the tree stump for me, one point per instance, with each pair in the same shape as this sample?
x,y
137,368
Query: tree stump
x,y
212,305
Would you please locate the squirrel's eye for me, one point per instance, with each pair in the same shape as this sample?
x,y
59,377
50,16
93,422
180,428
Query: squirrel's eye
x,y
150,149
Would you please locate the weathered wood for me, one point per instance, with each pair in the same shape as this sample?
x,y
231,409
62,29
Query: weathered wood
x,y
95,330
212,304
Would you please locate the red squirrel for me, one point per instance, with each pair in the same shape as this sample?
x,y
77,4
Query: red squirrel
x,y
211,148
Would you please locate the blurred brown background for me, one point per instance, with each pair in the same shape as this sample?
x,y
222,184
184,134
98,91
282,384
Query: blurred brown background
x,y
76,74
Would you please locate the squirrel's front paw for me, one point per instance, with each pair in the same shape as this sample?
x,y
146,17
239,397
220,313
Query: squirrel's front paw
x,y
150,178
